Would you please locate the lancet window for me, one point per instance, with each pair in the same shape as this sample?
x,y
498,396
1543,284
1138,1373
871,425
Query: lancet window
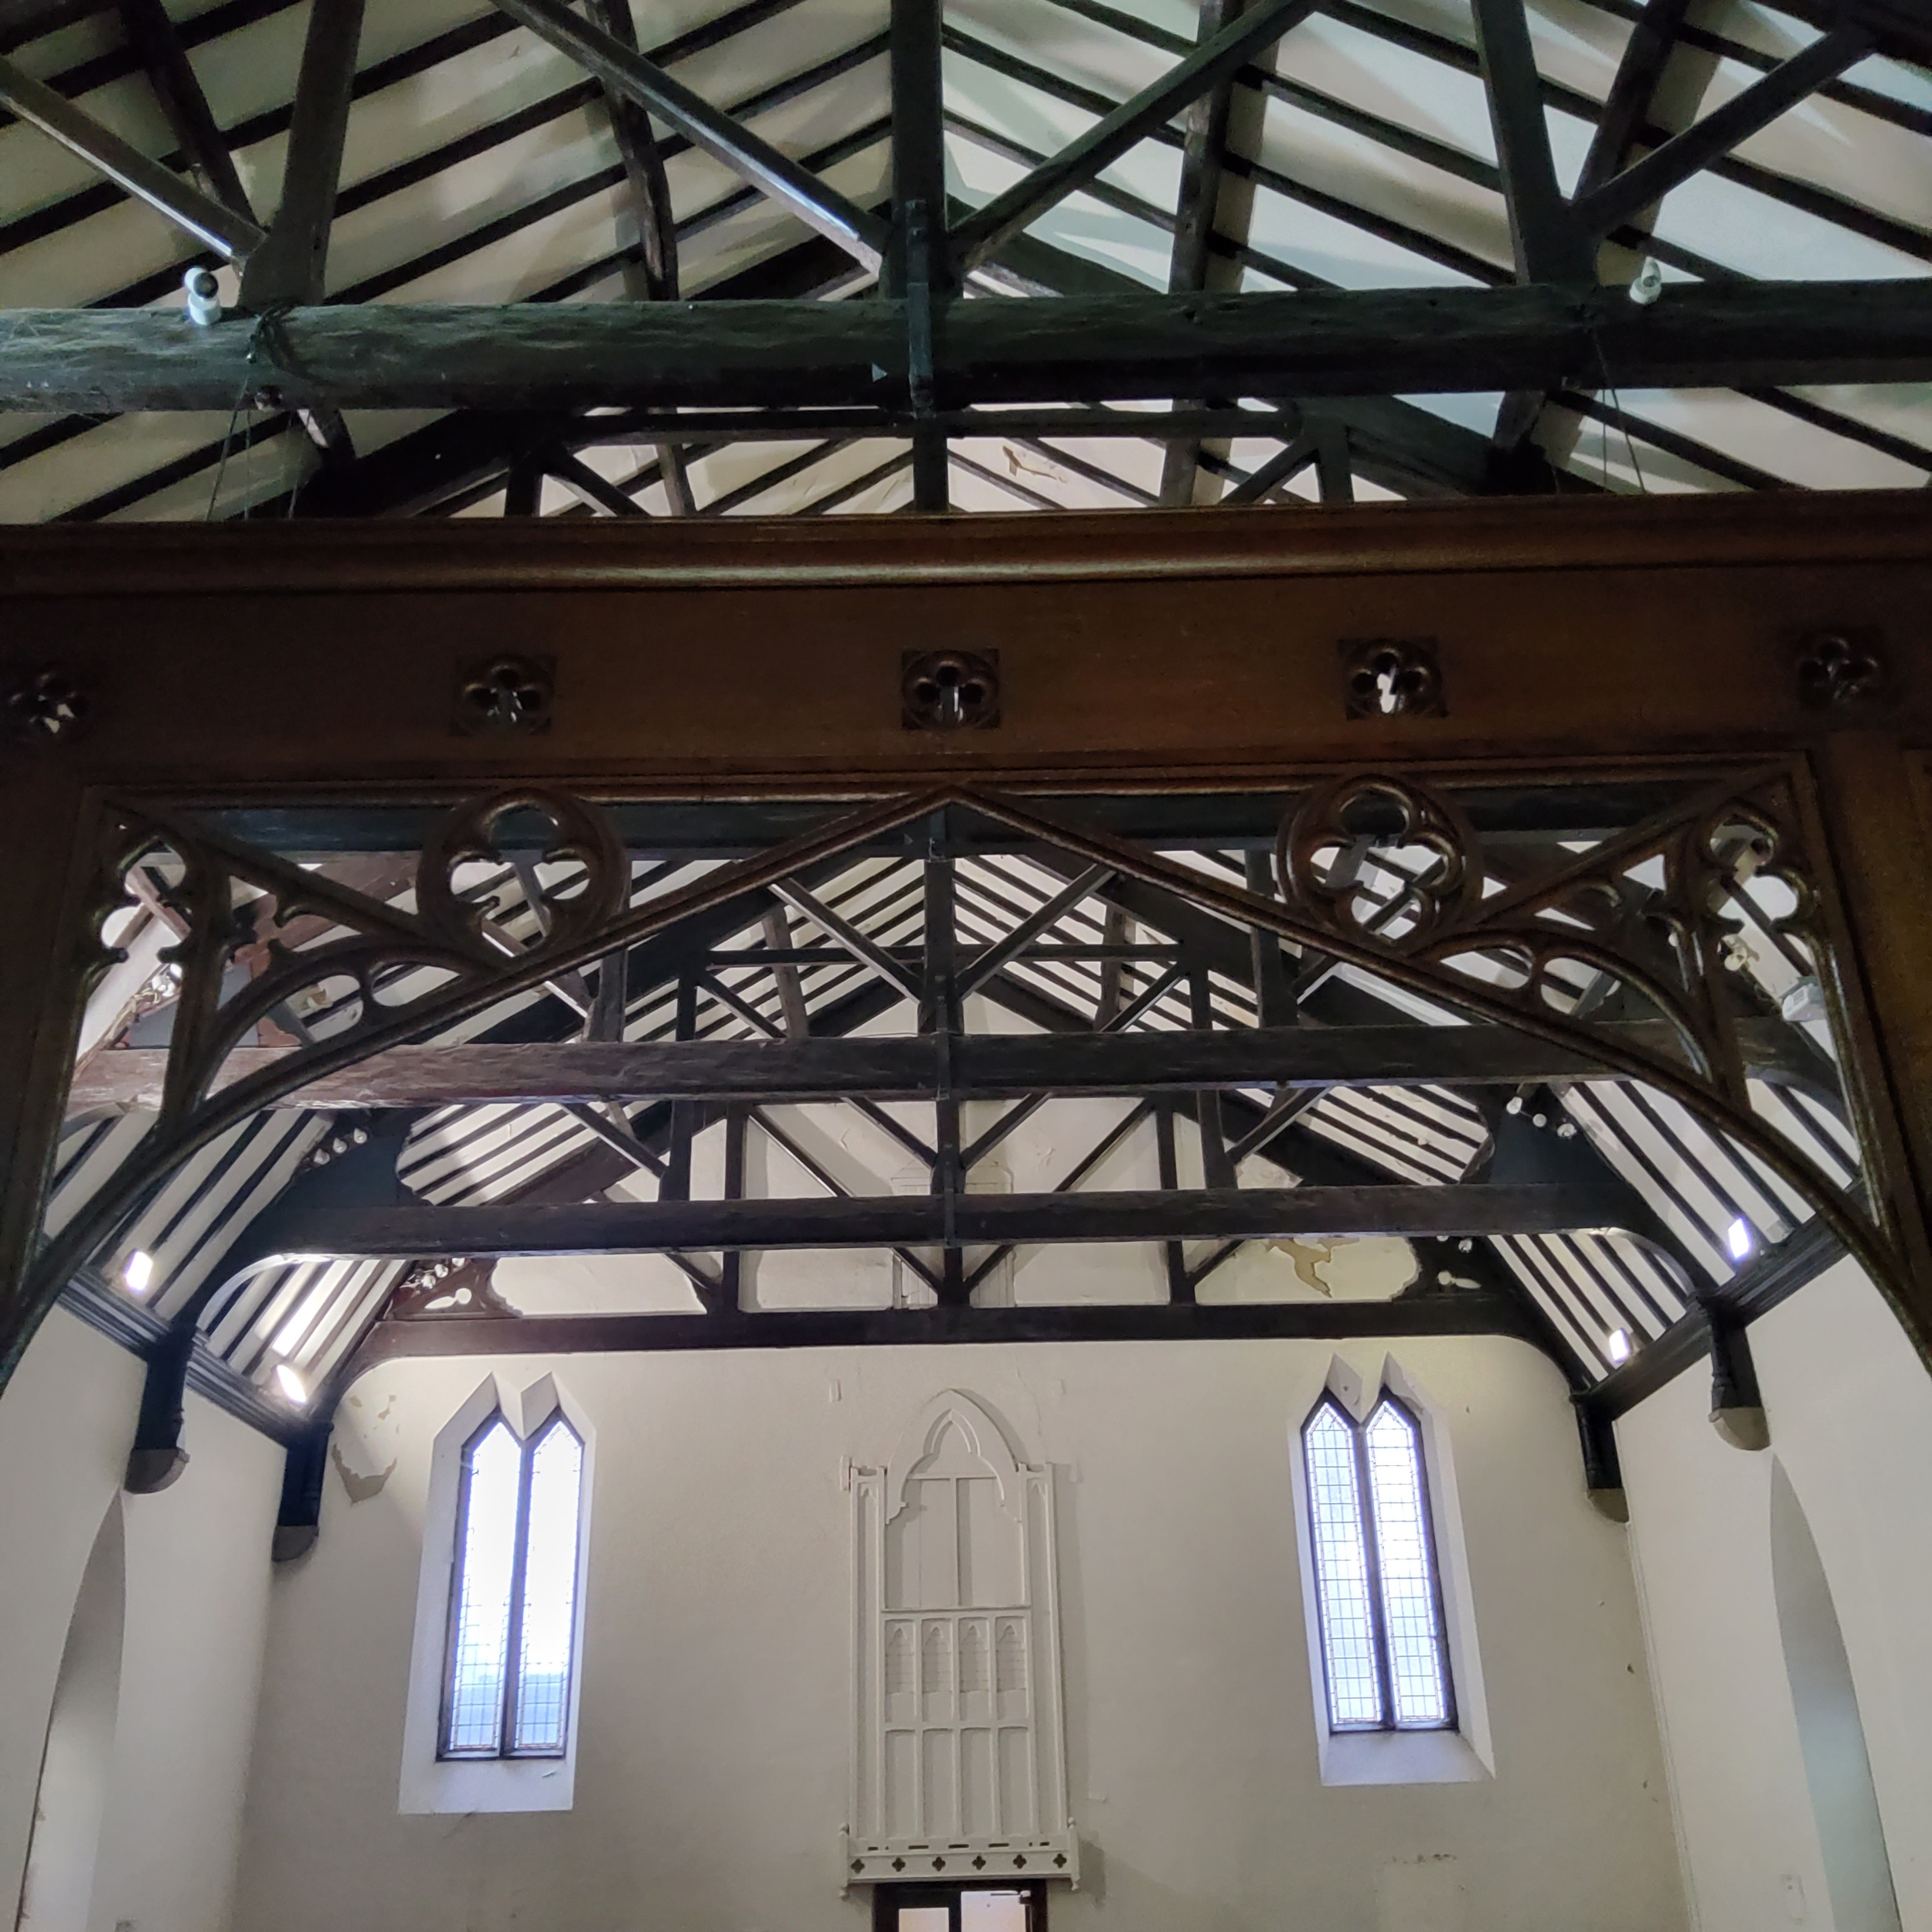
x,y
513,1596
1384,1657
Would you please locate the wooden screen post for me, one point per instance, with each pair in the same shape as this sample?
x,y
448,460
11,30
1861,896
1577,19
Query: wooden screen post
x,y
1878,831
42,992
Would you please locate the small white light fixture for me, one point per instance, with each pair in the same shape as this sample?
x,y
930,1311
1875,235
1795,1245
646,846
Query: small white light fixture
x,y
1739,1240
138,1272
291,1384
1617,1345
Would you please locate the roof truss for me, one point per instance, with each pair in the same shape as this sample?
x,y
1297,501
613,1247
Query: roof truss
x,y
942,356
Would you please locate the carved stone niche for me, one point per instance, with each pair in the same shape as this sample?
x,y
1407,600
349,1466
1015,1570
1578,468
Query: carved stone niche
x,y
1392,678
959,1753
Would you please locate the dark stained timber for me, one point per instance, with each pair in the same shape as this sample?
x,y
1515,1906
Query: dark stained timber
x,y
727,354
622,1227
630,74
223,229
983,1066
1459,1313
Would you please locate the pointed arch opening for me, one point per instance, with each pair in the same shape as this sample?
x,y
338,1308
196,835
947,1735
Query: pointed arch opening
x,y
70,1800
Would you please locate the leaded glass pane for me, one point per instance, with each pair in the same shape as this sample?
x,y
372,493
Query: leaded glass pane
x,y
550,1593
1418,1676
1342,1571
479,1637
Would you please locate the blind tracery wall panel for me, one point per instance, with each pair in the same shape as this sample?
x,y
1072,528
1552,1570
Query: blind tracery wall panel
x,y
959,1753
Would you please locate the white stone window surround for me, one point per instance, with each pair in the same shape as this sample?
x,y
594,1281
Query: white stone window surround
x,y
434,1784
1466,1754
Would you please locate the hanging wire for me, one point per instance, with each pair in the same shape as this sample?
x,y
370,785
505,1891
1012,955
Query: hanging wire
x,y
270,318
1609,388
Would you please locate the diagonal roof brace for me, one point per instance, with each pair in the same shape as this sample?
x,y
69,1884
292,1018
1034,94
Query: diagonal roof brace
x,y
228,232
637,78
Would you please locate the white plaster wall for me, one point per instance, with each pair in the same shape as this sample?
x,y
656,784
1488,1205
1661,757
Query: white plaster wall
x,y
1850,1408
711,1773
66,1420
1700,1527
197,1572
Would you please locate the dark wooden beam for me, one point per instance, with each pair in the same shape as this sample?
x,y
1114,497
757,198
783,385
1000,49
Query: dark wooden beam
x,y
637,148
1901,28
142,1332
652,276
1615,201
1287,463
464,454
157,42
1627,107
921,267
565,355
1020,206
1769,1278
984,1065
598,490
640,79
226,230
971,1220
1464,1313
1192,257
290,266
1397,443
1549,243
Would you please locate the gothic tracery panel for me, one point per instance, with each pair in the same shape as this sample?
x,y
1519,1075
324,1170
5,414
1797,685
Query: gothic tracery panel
x,y
959,1754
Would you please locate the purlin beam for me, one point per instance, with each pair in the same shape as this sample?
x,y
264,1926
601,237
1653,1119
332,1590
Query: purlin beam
x,y
1349,343
1467,1209
1463,1312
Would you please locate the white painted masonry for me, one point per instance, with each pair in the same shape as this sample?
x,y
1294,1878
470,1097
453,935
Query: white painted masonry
x,y
712,1766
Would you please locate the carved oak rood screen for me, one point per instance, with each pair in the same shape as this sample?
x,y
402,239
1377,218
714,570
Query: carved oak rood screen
x,y
1664,954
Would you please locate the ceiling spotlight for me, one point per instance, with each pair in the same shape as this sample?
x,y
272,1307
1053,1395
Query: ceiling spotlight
x,y
291,1384
1618,1347
138,1272
1739,1240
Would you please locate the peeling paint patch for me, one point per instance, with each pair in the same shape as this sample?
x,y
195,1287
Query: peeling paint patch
x,y
360,1486
1308,1257
1371,1267
366,1443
